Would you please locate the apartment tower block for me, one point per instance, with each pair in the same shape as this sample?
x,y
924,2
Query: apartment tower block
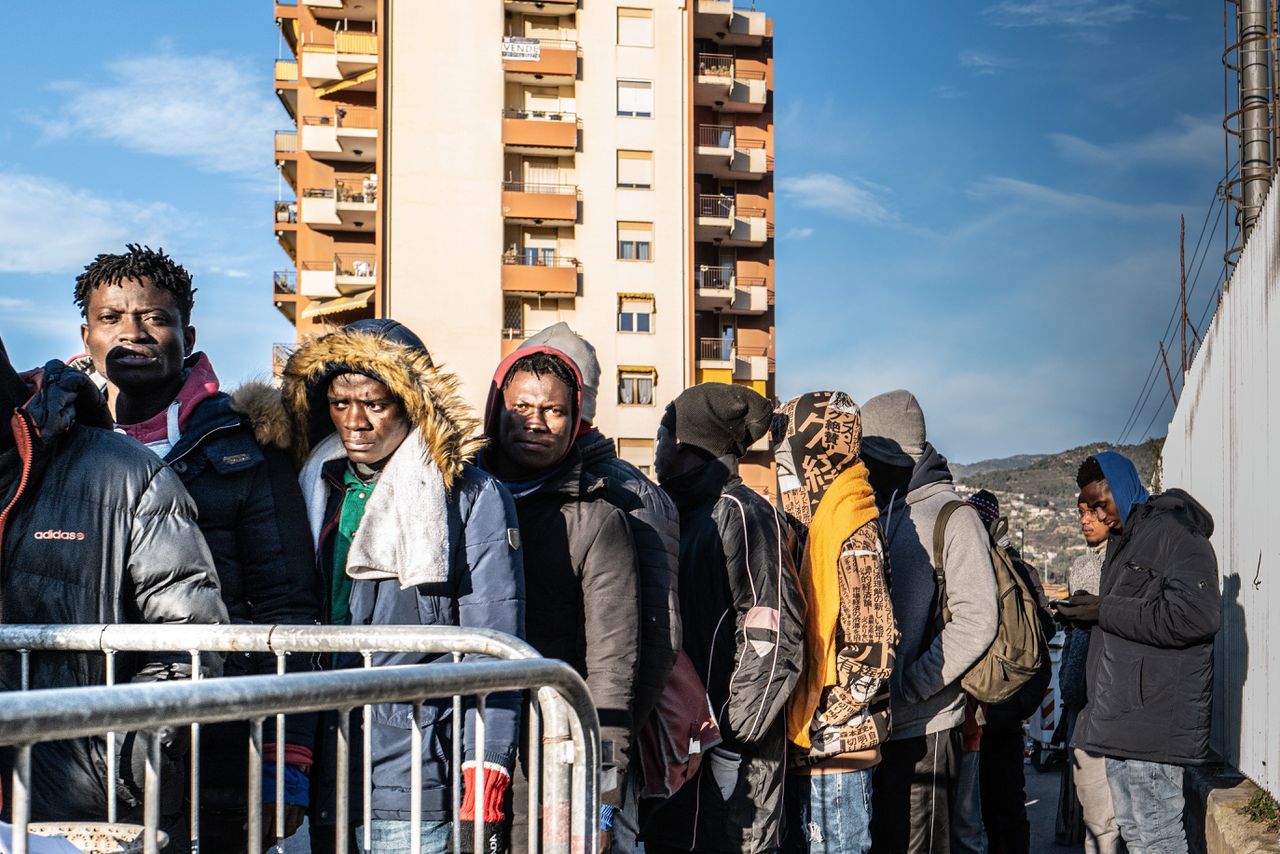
x,y
481,170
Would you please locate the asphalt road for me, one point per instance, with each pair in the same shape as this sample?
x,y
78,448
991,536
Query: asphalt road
x,y
1042,809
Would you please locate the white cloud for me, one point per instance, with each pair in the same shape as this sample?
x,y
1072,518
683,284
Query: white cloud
x,y
1047,198
206,109
947,92
798,234
1189,141
980,62
852,199
1079,14
52,228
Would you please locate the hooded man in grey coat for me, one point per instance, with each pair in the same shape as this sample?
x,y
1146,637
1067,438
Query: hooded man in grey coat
x,y
915,783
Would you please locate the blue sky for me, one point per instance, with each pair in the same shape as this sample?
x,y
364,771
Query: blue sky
x,y
976,201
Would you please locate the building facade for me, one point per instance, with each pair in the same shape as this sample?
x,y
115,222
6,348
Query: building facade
x,y
482,170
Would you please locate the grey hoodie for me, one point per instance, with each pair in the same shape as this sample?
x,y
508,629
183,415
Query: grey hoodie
x,y
925,686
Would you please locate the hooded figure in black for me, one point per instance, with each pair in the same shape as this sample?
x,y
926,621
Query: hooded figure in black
x,y
93,529
743,617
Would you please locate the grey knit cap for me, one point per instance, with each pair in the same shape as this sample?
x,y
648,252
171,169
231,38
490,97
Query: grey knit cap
x,y
561,337
893,428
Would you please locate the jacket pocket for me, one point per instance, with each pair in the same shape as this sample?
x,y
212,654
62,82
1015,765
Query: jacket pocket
x,y
1119,689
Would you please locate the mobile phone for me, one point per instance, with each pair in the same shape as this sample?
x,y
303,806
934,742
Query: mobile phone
x,y
1056,603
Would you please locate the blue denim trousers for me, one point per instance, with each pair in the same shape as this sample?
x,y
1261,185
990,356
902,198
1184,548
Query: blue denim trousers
x,y
391,835
1148,803
828,813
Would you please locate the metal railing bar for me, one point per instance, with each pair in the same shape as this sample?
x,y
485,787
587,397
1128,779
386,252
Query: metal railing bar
x,y
151,797
456,782
535,768
195,764
415,780
342,824
22,798
367,765
477,780
113,753
280,763
255,787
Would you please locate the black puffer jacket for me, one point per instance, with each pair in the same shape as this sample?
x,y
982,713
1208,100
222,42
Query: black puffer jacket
x,y
1150,670
655,528
93,529
743,617
583,596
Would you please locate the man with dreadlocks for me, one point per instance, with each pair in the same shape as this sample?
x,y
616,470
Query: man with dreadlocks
x,y
229,451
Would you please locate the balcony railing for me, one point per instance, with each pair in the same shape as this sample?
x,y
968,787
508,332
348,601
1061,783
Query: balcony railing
x,y
753,350
749,213
345,118
720,207
536,187
715,65
346,41
286,71
280,354
512,334
286,212
285,281
286,142
549,44
715,278
356,266
715,136
715,349
538,115
319,193
358,190
531,257
749,74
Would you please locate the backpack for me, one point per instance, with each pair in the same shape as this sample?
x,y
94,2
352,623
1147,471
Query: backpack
x,y
1020,648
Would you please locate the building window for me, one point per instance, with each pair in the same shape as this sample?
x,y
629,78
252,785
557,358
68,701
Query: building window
x,y
635,170
635,313
638,452
512,318
635,27
635,386
635,241
635,98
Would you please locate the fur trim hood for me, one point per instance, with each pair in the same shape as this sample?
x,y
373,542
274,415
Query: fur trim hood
x,y
448,426
261,405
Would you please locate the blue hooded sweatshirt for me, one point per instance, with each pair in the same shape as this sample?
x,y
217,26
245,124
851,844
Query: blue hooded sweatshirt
x,y
1122,477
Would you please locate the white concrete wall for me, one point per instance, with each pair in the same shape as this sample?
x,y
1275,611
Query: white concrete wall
x,y
1222,448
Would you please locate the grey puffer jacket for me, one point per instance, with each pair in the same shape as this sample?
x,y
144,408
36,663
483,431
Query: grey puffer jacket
x,y
926,681
1150,670
75,497
655,529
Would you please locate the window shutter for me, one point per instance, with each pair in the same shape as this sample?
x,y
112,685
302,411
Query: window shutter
x,y
635,27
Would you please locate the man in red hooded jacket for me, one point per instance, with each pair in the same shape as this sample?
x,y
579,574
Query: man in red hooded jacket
x,y
581,578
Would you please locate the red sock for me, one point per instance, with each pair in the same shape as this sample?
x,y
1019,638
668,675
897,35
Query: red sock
x,y
496,783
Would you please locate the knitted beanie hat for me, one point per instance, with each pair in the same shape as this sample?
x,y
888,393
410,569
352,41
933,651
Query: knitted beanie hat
x,y
719,418
560,337
987,505
893,428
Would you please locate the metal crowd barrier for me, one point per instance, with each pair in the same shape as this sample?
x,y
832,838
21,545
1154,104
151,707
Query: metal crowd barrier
x,y
563,745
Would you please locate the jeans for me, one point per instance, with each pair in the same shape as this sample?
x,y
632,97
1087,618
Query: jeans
x,y
967,836
392,835
828,812
1148,802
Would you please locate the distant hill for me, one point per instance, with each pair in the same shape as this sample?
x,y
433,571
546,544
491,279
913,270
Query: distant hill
x,y
1018,461
1039,497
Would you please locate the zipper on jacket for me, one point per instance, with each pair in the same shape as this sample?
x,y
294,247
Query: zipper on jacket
x,y
200,442
23,431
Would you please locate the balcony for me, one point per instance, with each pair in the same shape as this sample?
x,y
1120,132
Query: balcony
x,y
349,135
351,10
750,297
714,221
542,7
713,80
719,21
286,145
284,290
539,132
750,228
511,341
285,216
539,204
350,205
349,60
286,77
345,275
750,91
720,153
543,61
541,274
713,287
280,354
751,364
716,354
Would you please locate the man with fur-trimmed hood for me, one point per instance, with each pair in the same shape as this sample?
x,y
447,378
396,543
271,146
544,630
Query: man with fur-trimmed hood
x,y
839,713
407,532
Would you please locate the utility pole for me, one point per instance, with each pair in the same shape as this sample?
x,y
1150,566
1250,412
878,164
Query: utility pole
x,y
1253,31
1168,374
1182,277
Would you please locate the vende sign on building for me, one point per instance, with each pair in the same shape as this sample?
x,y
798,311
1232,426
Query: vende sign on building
x,y
521,49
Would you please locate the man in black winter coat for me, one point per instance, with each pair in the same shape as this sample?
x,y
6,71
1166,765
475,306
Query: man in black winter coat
x,y
230,454
1150,666
93,529
743,616
581,582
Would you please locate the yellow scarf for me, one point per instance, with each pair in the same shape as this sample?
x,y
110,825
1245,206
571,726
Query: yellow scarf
x,y
847,505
